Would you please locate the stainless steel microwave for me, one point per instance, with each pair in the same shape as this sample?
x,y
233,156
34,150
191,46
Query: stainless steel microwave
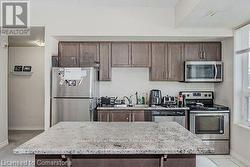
x,y
203,71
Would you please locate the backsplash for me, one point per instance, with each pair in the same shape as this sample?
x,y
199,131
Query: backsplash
x,y
127,81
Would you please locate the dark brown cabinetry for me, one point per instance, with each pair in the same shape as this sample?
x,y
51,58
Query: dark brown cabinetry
x,y
210,51
121,54
165,59
89,54
141,54
135,54
175,59
193,51
105,62
103,116
68,54
116,116
158,62
123,116
167,62
109,160
141,116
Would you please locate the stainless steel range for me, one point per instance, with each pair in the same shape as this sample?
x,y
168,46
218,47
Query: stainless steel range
x,y
208,121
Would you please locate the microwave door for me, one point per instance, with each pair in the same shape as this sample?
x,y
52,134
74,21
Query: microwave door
x,y
203,72
200,72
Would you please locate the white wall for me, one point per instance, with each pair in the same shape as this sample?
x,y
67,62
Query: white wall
x,y
3,92
26,93
127,81
240,145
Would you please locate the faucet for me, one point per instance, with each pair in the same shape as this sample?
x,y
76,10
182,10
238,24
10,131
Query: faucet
x,y
129,100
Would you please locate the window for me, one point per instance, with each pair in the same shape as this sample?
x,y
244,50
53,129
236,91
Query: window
x,y
242,76
246,88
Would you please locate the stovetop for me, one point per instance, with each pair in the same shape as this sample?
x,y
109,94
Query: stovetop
x,y
214,107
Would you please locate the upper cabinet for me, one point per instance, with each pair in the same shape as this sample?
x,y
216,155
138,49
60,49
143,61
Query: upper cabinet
x,y
89,54
141,54
175,59
193,51
105,62
167,62
210,51
164,59
158,62
68,54
121,54
135,54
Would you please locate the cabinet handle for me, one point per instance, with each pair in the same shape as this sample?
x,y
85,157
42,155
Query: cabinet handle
x,y
204,55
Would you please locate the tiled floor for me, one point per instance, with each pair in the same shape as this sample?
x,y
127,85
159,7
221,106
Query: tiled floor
x,y
18,137
226,161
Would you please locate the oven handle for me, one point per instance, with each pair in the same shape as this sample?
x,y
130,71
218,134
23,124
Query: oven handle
x,y
208,114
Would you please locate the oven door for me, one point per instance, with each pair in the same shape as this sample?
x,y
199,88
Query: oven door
x,y
203,71
210,125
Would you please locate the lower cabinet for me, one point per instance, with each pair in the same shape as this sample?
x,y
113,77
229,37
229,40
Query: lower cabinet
x,y
123,116
119,116
103,116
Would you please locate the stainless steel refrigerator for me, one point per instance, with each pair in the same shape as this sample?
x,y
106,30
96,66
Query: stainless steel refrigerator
x,y
74,94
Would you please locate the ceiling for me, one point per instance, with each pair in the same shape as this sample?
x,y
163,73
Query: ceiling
x,y
115,3
215,13
36,37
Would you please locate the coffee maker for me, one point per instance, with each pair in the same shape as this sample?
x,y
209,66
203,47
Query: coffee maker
x,y
155,97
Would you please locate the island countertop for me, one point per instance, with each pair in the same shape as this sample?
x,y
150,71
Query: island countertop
x,y
86,138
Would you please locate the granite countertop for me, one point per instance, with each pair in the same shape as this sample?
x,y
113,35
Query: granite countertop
x,y
141,108
115,138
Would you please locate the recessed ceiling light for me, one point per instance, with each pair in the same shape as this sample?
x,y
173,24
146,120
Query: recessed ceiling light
x,y
211,13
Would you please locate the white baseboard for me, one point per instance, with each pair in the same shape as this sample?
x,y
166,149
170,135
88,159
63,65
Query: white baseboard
x,y
239,157
4,143
26,128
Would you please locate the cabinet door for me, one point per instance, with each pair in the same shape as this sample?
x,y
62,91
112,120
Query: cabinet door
x,y
141,54
103,116
138,116
105,62
68,54
158,66
121,54
193,51
212,51
175,61
89,54
118,116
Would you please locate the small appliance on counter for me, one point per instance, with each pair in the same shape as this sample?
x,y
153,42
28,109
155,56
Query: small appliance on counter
x,y
207,120
169,100
107,101
155,97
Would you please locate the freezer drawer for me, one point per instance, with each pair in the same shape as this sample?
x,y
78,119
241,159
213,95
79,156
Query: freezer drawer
x,y
221,147
71,110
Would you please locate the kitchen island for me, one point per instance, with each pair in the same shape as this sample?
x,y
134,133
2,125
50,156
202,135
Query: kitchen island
x,y
123,144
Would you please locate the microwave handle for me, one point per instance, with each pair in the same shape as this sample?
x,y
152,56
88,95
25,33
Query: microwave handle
x,y
216,71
